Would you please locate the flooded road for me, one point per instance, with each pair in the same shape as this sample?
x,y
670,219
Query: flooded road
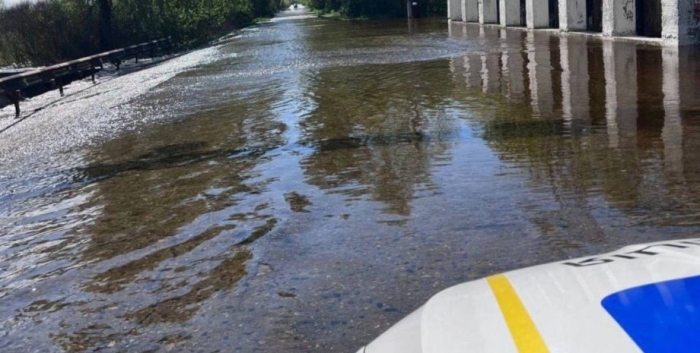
x,y
306,183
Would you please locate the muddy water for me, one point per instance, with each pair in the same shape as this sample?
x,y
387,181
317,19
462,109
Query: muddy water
x,y
305,184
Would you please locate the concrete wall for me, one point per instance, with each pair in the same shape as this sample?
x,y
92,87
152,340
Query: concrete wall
x,y
454,10
470,11
509,13
680,21
537,13
488,11
669,21
572,15
689,27
619,17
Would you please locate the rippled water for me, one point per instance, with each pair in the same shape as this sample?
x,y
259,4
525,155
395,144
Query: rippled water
x,y
306,183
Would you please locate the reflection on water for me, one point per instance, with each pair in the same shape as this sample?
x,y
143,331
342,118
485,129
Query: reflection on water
x,y
374,138
318,180
619,130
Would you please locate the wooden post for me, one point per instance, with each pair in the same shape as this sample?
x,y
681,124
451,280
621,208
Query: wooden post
x,y
15,99
60,86
92,73
137,58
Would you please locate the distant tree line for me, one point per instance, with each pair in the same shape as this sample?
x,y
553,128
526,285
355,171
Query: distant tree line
x,y
51,31
377,8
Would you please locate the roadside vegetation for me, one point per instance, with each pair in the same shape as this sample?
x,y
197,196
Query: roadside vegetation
x,y
372,9
51,31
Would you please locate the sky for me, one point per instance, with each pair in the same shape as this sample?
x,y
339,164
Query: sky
x,y
9,3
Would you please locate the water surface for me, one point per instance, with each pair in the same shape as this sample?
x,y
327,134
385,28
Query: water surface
x,y
306,183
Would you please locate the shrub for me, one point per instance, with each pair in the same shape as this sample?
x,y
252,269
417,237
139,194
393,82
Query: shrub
x,y
51,31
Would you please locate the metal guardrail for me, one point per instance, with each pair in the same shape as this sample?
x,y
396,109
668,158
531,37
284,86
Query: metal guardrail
x,y
35,82
11,72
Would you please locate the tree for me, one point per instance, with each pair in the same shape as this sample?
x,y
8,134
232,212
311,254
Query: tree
x,y
376,8
44,32
105,8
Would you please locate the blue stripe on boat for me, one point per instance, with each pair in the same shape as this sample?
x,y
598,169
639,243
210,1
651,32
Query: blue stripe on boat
x,y
660,317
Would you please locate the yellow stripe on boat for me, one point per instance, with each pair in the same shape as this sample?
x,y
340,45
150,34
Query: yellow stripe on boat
x,y
524,332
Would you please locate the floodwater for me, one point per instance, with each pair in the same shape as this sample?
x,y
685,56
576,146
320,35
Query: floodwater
x,y
304,184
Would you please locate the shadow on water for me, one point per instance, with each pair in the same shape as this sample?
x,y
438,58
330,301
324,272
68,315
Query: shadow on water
x,y
177,309
181,308
368,141
501,130
168,188
172,156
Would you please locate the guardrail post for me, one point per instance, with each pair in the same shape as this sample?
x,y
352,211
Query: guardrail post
x,y
60,86
136,57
